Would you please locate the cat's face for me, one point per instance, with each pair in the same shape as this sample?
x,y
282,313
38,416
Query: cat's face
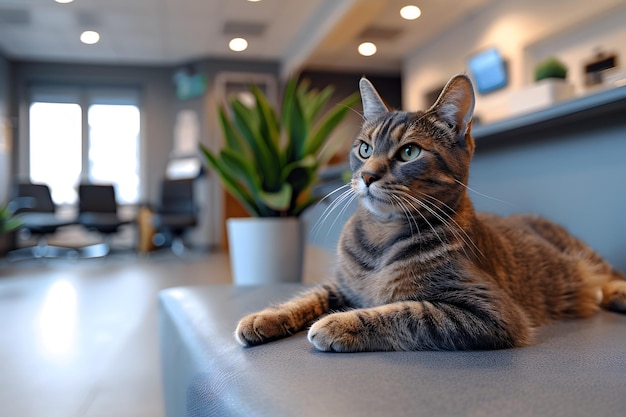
x,y
406,163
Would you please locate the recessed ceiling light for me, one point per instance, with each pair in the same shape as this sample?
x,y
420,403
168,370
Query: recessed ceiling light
x,y
64,1
238,44
254,1
89,37
367,49
410,12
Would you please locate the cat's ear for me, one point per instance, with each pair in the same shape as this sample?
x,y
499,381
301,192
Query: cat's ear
x,y
455,105
373,105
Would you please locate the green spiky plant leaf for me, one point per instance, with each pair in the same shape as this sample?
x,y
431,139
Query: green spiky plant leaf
x,y
271,157
8,220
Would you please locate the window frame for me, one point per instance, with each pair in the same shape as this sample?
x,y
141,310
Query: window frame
x,y
84,96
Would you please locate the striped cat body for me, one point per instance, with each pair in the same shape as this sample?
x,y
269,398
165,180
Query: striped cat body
x,y
418,268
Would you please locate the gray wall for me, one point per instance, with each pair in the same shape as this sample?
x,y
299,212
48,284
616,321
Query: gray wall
x,y
5,129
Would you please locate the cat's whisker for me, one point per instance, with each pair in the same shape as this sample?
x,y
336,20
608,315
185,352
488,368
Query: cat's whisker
x,y
335,191
337,200
464,237
409,216
407,213
440,216
432,211
345,198
337,203
348,198
408,201
483,195
361,115
467,240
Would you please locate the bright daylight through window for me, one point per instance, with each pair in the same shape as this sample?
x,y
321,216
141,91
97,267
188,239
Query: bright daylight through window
x,y
55,148
110,153
114,148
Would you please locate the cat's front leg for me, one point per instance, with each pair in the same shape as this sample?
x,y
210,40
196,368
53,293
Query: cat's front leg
x,y
417,325
285,319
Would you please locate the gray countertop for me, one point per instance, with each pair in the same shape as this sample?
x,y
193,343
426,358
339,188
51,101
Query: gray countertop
x,y
576,368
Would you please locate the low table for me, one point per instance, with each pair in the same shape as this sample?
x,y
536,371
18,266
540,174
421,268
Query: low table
x,y
576,368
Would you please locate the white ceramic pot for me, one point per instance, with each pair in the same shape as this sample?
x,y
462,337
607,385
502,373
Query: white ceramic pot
x,y
266,250
541,94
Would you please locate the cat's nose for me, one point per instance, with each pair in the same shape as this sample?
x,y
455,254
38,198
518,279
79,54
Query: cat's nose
x,y
369,177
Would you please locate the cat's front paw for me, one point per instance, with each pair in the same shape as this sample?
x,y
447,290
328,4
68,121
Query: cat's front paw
x,y
339,332
262,327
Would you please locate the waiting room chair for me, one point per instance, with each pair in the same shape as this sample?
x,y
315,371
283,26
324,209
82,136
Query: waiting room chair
x,y
175,214
97,211
37,214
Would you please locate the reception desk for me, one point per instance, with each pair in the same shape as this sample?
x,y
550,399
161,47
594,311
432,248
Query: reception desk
x,y
580,113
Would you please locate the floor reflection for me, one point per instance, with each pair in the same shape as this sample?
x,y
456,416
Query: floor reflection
x,y
80,338
58,320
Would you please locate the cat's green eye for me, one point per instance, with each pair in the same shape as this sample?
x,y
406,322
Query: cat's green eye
x,y
409,152
365,150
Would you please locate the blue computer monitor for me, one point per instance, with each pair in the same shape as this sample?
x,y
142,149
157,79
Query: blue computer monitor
x,y
488,70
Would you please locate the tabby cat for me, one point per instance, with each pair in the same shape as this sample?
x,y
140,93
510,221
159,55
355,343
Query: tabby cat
x,y
418,268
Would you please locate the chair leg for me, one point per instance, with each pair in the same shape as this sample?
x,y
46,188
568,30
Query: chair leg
x,y
159,239
43,250
178,247
98,250
23,253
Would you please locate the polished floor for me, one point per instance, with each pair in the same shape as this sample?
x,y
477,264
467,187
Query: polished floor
x,y
80,338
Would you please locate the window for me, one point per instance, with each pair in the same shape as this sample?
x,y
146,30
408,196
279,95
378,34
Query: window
x,y
55,148
114,148
62,153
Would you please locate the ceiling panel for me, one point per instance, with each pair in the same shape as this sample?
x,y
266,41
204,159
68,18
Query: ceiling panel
x,y
173,32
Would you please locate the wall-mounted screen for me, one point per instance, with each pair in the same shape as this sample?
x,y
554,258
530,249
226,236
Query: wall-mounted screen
x,y
488,70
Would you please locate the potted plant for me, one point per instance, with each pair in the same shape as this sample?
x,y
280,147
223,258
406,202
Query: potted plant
x,y
550,68
8,223
269,163
549,88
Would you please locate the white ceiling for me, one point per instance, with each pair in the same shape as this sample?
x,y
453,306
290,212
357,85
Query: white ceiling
x,y
316,34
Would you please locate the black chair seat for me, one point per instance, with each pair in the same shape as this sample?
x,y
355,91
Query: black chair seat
x,y
176,213
101,222
37,214
97,211
42,223
173,220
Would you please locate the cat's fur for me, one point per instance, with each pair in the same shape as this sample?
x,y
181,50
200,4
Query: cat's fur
x,y
418,268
